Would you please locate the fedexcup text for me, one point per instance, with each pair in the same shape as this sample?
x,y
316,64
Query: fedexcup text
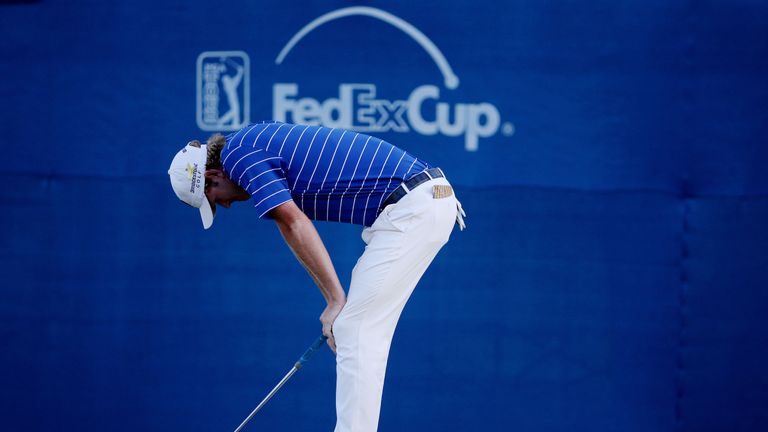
x,y
358,108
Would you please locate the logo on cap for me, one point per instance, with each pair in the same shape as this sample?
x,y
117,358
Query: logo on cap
x,y
192,174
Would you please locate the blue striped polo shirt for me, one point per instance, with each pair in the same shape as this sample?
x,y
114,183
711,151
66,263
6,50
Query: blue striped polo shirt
x,y
331,174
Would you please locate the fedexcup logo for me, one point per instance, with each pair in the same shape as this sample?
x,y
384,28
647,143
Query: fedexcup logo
x,y
360,107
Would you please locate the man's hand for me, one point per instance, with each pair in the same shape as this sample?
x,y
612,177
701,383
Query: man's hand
x,y
327,318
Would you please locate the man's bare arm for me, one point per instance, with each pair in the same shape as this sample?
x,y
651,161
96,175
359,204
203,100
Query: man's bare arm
x,y
301,236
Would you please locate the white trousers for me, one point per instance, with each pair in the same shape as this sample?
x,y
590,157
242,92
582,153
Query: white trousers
x,y
399,247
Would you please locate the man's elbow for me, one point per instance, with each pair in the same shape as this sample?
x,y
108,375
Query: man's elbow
x,y
287,215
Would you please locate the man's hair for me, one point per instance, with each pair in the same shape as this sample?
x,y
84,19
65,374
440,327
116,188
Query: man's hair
x,y
215,143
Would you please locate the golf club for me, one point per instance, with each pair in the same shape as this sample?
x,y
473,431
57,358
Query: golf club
x,y
304,358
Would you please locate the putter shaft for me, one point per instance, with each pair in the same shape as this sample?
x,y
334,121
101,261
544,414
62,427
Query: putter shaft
x,y
266,399
304,358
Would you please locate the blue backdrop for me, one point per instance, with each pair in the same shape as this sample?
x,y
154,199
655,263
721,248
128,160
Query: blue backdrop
x,y
611,157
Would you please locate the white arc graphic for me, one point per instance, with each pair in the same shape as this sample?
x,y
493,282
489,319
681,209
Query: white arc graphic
x,y
449,78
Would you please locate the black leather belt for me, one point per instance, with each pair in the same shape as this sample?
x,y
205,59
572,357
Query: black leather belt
x,y
411,184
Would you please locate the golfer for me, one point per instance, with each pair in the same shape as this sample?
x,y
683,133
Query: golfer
x,y
294,174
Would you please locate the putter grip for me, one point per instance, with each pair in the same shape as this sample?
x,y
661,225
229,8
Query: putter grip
x,y
311,351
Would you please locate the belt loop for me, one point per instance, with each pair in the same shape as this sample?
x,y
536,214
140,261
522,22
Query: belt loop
x,y
428,175
405,187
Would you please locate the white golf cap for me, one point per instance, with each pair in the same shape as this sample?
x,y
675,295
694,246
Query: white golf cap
x,y
187,173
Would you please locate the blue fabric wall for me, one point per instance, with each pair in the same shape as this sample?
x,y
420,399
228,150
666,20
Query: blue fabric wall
x,y
613,277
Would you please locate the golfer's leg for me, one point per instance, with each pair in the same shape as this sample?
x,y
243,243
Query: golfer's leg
x,y
382,281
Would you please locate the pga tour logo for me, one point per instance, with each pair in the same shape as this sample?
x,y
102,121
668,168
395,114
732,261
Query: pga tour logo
x,y
223,90
223,95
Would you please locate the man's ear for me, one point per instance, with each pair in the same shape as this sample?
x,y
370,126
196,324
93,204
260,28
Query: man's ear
x,y
214,173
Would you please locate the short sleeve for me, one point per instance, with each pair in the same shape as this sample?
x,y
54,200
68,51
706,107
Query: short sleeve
x,y
261,174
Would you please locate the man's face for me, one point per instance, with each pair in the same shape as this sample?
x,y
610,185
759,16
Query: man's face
x,y
219,189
